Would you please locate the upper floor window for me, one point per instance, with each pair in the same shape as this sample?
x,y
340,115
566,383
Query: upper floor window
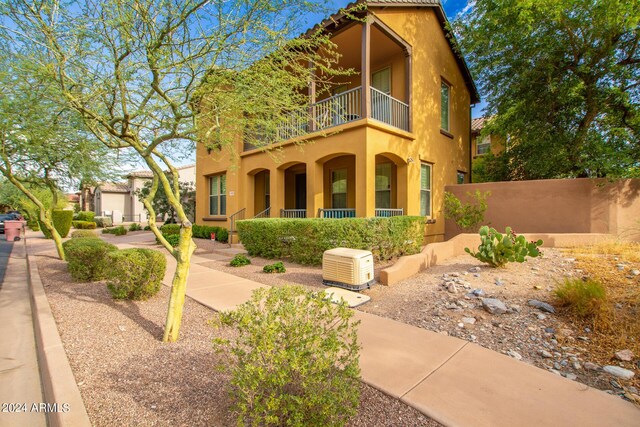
x,y
218,194
445,96
381,80
483,146
425,189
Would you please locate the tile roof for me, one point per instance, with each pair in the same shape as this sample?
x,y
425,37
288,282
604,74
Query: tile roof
x,y
114,187
478,123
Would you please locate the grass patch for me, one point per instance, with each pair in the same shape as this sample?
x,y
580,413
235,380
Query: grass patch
x,y
583,297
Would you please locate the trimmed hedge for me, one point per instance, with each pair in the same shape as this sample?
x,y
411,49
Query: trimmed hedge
x,y
61,222
103,221
86,258
305,240
81,234
198,231
135,273
84,225
118,231
85,216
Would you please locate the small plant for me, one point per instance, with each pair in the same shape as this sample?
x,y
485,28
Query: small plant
x,y
83,234
497,249
240,260
278,267
294,361
147,228
135,274
467,216
173,239
85,216
117,231
86,258
103,221
84,225
584,298
135,227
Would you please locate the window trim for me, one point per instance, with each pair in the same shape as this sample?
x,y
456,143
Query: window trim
x,y
429,190
219,190
486,138
444,83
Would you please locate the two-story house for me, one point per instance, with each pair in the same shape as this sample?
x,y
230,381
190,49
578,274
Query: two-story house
x,y
400,134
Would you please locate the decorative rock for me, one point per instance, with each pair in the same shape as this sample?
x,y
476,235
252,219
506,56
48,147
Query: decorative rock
x,y
620,267
461,325
469,320
537,287
451,306
545,354
577,366
635,272
514,354
478,292
541,316
619,372
499,282
494,305
550,330
542,306
624,355
474,270
451,287
570,376
516,308
454,274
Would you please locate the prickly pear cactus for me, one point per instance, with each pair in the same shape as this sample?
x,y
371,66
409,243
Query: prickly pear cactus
x,y
498,249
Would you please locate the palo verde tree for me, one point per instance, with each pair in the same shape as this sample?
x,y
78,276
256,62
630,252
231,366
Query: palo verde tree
x,y
44,146
133,69
562,78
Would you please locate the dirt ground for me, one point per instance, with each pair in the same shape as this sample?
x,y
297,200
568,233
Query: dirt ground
x,y
551,341
127,376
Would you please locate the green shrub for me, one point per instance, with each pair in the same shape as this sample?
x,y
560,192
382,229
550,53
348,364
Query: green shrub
x,y
135,273
305,240
83,233
86,258
84,225
467,216
584,298
239,260
147,228
278,267
33,224
173,239
135,227
294,361
103,221
85,216
170,229
204,232
117,231
61,222
498,249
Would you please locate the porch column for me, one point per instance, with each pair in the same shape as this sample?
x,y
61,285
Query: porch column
x,y
312,98
408,86
365,73
365,185
276,189
246,198
315,190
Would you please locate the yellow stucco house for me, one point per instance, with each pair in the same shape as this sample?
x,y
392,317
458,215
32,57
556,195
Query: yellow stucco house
x,y
402,133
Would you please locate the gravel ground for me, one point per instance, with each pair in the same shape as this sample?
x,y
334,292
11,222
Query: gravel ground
x,y
547,340
127,376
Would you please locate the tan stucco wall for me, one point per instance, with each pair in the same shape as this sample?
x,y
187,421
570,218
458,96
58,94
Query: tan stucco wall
x,y
560,206
363,140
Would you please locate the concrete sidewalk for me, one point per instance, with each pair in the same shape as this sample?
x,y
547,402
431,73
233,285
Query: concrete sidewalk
x,y
19,374
450,380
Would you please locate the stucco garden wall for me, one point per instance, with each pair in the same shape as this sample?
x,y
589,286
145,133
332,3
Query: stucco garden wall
x,y
559,206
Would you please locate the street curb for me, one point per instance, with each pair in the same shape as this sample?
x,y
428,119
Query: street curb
x,y
58,383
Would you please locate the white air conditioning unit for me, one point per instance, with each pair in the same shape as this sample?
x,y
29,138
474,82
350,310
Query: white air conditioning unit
x,y
346,268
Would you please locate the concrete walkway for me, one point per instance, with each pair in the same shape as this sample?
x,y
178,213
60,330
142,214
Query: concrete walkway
x,y
450,380
19,374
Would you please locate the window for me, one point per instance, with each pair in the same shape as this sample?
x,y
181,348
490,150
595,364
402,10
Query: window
x,y
381,80
383,185
425,189
445,94
460,177
339,189
483,146
218,195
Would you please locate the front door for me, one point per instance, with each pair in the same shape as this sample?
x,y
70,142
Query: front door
x,y
301,191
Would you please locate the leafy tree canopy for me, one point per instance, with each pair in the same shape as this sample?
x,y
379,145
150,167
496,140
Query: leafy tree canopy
x,y
161,203
562,79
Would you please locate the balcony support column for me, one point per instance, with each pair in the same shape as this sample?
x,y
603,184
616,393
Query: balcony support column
x,y
315,190
277,189
365,74
365,185
312,97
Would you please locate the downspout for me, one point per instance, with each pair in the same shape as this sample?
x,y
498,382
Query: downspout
x,y
470,146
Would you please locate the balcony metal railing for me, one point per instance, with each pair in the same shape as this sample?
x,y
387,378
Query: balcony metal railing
x,y
264,214
293,213
336,213
386,213
233,219
339,109
389,110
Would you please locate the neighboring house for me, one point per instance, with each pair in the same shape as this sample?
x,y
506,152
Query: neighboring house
x,y
402,135
481,145
122,196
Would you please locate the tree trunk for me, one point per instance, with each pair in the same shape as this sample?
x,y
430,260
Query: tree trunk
x,y
179,285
